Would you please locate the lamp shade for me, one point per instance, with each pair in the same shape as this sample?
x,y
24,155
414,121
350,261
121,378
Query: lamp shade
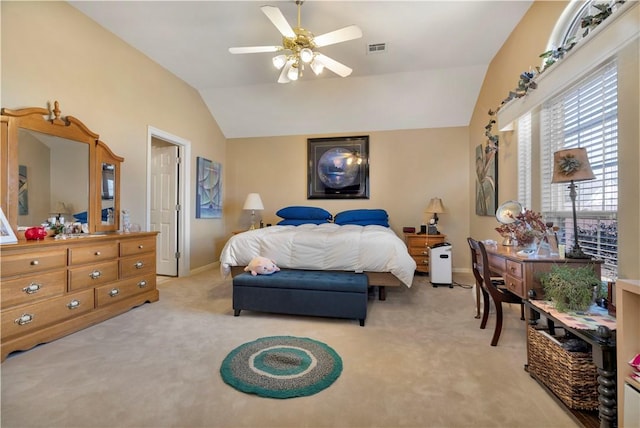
x,y
571,165
61,208
253,202
435,206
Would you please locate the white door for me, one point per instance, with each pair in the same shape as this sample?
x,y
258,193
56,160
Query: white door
x,y
164,205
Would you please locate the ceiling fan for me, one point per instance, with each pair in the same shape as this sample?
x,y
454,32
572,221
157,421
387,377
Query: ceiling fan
x,y
298,47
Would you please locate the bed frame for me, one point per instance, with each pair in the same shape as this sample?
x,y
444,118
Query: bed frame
x,y
376,279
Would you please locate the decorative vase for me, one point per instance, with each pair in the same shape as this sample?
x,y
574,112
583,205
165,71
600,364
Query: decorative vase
x,y
35,233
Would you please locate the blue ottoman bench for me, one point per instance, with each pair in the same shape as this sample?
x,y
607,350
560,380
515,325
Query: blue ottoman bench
x,y
303,292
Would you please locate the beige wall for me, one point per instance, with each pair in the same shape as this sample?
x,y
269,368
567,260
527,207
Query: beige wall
x,y
50,51
519,53
407,168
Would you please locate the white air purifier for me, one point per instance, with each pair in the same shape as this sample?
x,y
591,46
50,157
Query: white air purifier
x,y
440,265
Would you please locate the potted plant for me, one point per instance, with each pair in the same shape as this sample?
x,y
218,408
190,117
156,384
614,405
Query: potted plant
x,y
571,288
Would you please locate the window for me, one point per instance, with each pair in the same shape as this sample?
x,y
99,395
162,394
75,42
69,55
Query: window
x,y
524,160
585,116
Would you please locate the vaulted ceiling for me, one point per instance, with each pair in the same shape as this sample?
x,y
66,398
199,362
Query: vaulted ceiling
x,y
429,76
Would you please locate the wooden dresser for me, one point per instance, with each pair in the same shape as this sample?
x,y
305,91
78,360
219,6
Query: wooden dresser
x,y
52,288
418,248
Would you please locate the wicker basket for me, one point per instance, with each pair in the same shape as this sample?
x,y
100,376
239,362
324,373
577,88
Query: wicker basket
x,y
572,376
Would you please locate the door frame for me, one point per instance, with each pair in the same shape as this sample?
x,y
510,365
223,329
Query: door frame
x,y
184,193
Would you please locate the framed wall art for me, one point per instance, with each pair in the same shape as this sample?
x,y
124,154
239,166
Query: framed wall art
x,y
208,189
486,181
338,168
6,232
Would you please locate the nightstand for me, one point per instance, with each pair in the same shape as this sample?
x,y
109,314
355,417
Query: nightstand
x,y
418,248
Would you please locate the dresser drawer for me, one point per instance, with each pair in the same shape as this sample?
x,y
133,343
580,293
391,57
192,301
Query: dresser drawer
x,y
422,264
514,269
29,318
112,293
35,261
515,285
93,253
93,275
137,246
29,289
497,264
138,265
419,251
416,240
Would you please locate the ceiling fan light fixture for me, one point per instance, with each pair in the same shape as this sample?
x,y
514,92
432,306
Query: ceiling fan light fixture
x,y
293,73
279,61
299,45
306,55
317,67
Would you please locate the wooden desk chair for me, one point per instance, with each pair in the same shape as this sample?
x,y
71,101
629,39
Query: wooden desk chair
x,y
496,280
489,287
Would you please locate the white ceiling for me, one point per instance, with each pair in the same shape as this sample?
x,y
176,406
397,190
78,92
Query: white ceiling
x,y
438,53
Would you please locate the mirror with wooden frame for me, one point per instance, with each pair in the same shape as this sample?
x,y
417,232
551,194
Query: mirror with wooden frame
x,y
55,167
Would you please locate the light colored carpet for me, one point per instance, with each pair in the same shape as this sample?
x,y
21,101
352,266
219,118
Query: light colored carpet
x,y
420,361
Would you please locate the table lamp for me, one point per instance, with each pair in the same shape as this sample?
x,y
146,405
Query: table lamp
x,y
435,207
569,166
253,203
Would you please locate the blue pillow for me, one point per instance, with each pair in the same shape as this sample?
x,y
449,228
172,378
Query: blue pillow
x,y
300,213
360,215
299,221
375,222
81,217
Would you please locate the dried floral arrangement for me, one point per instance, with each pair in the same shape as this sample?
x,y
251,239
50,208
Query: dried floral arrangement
x,y
527,227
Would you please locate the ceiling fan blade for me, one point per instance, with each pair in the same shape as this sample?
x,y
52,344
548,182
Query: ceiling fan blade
x,y
342,35
254,49
333,65
278,19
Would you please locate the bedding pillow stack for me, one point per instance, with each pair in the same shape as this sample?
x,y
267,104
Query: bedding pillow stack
x,y
297,215
363,217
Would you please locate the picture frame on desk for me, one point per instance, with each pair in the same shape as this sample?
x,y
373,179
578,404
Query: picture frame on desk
x,y
7,236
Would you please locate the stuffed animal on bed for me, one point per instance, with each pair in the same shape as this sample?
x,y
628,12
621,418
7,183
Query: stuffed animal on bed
x,y
261,266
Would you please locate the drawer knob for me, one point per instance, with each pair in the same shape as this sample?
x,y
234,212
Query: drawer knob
x,y
95,274
114,292
73,304
141,246
142,284
139,265
24,319
34,263
97,253
31,288
424,253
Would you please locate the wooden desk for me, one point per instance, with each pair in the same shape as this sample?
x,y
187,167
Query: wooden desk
x,y
522,274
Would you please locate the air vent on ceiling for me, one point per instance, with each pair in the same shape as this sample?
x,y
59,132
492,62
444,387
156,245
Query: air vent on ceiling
x,y
376,48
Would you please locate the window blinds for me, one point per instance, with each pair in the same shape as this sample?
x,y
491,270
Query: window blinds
x,y
585,116
524,160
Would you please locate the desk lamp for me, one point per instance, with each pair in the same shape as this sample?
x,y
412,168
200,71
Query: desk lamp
x,y
253,203
569,166
435,207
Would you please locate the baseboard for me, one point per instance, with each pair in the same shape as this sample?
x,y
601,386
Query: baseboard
x,y
213,265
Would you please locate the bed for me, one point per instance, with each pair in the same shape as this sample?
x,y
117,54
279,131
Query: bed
x,y
372,249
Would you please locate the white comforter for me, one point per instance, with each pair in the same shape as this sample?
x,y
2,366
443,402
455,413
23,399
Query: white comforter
x,y
323,247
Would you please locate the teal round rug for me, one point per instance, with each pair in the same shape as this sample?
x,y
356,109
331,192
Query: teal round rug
x,y
281,367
